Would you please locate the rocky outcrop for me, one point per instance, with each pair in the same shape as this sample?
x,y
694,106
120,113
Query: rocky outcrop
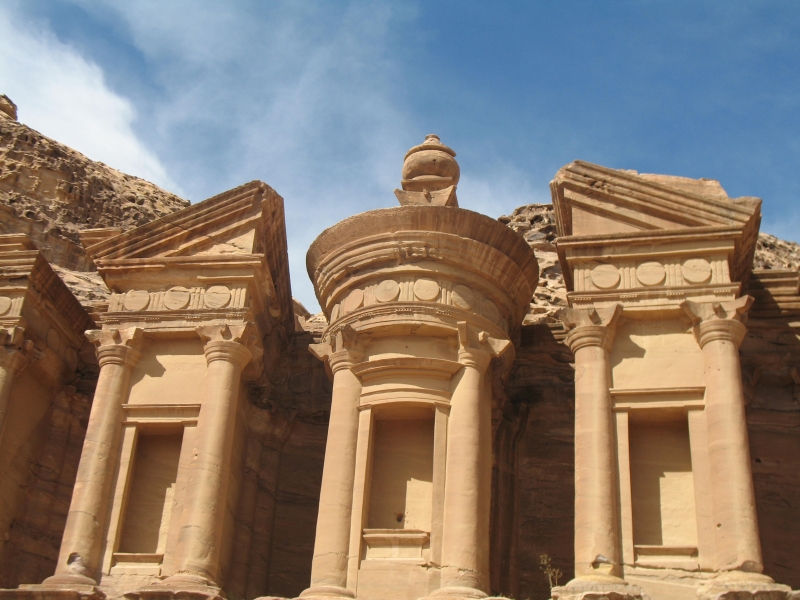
x,y
51,192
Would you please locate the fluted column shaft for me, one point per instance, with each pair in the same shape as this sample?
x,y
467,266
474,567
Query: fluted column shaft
x,y
332,543
597,537
200,537
79,557
468,480
737,540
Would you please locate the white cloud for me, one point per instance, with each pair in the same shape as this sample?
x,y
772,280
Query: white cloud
x,y
64,96
308,96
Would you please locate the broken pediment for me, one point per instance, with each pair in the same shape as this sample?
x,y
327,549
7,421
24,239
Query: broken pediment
x,y
591,200
239,234
594,202
234,222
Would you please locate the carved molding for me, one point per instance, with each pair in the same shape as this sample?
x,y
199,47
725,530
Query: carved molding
x,y
14,348
590,326
715,321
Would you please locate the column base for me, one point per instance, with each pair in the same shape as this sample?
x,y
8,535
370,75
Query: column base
x,y
597,587
738,585
327,592
42,591
178,587
457,593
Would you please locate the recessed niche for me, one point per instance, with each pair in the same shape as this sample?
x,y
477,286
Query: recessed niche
x,y
150,493
402,475
662,484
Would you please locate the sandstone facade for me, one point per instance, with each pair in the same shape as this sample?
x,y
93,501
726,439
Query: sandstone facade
x,y
480,401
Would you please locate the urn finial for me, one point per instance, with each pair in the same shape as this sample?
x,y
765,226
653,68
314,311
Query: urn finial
x,y
430,174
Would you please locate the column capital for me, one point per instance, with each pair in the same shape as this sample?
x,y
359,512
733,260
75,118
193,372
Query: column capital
x,y
117,346
590,326
477,348
715,321
14,348
233,343
344,348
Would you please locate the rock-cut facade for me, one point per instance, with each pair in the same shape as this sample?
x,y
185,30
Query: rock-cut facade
x,y
593,399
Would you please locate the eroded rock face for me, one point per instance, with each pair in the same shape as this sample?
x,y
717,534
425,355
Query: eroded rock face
x,y
49,183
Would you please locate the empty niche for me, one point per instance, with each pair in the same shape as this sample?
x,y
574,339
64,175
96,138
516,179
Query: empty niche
x,y
150,494
662,486
402,475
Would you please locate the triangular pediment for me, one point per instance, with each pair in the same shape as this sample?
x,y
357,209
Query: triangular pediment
x,y
595,203
246,222
594,200
228,224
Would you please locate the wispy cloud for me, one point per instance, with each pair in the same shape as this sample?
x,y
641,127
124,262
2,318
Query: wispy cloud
x,y
65,96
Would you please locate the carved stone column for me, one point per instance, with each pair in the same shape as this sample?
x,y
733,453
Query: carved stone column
x,y
332,542
13,358
597,535
719,331
597,532
468,479
228,349
79,557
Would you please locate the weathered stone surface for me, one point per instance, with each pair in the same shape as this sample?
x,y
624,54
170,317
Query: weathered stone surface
x,y
51,192
43,180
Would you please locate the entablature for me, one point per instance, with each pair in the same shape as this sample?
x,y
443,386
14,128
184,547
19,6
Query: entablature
x,y
33,297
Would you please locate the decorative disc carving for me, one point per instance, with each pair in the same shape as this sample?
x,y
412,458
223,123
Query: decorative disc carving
x,y
136,300
605,276
334,313
426,289
217,296
696,270
53,340
463,297
177,298
490,311
651,273
5,305
353,301
387,290
71,357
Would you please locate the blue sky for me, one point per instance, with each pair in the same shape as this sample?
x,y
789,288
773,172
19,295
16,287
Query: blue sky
x,y
322,99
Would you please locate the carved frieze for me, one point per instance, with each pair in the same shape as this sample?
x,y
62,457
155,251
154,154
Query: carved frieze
x,y
648,273
407,288
213,297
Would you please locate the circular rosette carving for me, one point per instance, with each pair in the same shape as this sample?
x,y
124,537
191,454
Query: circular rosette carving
x,y
5,305
353,301
490,311
387,290
71,358
217,296
54,340
605,277
463,297
426,289
334,313
651,273
136,300
177,298
696,270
